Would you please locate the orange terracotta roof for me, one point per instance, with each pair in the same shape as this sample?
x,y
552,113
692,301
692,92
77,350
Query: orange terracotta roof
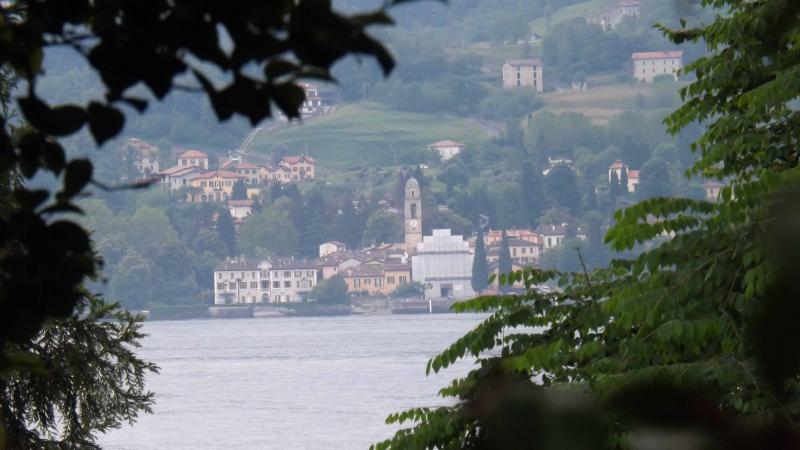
x,y
221,174
246,165
297,159
633,174
657,55
179,170
193,154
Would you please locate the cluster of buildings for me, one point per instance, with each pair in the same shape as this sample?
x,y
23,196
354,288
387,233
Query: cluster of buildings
x,y
441,263
192,172
610,18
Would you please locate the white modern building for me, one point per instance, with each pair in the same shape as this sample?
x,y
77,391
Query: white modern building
x,y
443,264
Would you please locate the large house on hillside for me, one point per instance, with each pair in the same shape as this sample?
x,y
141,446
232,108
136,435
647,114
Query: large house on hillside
x,y
523,73
648,65
214,186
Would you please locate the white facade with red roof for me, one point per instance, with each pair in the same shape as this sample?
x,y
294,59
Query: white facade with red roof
x,y
193,158
648,65
619,167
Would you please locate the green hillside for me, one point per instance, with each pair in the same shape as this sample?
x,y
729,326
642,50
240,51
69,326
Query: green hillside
x,y
366,135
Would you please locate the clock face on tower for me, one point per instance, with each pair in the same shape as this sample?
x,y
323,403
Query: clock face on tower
x,y
413,224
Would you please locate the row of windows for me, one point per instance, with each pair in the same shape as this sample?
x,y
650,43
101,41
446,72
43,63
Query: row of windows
x,y
275,285
264,274
358,282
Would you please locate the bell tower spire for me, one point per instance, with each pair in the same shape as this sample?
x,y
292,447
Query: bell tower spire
x,y
412,212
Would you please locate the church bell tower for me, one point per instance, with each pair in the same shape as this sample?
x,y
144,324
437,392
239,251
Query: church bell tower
x,y
412,212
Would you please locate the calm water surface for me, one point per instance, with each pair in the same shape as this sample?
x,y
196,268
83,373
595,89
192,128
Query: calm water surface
x,y
288,383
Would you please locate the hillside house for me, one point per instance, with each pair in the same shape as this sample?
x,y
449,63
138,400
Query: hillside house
x,y
240,209
144,156
610,18
178,177
523,73
193,158
329,247
302,167
214,186
619,168
648,65
446,149
553,235
313,104
250,172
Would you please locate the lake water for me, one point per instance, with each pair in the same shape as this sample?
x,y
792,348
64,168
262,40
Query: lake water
x,y
288,383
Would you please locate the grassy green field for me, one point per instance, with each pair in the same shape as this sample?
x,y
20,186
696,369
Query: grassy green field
x,y
585,9
367,135
601,103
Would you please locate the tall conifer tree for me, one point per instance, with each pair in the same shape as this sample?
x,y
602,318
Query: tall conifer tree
x,y
480,266
504,264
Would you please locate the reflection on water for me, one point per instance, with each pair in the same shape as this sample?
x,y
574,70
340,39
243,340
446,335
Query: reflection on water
x,y
288,383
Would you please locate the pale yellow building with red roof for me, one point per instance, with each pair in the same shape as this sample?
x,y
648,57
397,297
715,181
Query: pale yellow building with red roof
x,y
648,65
193,158
214,186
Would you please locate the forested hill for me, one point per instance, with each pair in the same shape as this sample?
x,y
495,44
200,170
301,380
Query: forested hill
x,y
449,57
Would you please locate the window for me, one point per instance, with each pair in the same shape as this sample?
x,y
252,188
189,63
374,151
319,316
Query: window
x,y
390,280
356,282
287,274
231,275
524,250
254,285
287,284
219,275
242,285
403,279
276,284
220,286
367,281
310,273
298,273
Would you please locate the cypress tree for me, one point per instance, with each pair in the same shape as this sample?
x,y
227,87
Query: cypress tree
x,y
504,265
613,189
239,191
480,267
623,181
